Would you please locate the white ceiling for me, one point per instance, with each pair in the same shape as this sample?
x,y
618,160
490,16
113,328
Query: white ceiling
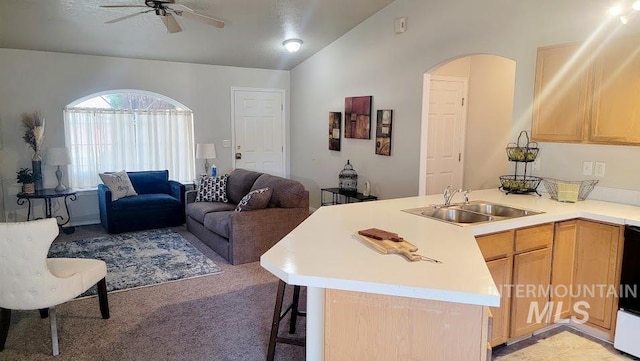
x,y
252,36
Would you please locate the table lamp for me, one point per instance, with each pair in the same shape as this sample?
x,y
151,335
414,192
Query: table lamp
x,y
58,157
206,151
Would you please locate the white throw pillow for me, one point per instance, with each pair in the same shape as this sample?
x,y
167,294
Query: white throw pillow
x,y
119,184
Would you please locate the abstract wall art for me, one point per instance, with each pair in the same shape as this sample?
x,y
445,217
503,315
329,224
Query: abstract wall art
x,y
357,117
383,131
335,123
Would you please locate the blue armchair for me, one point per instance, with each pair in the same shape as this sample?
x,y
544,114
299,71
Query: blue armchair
x,y
159,203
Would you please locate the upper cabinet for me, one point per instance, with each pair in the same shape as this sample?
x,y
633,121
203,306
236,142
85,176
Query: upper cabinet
x,y
560,98
588,94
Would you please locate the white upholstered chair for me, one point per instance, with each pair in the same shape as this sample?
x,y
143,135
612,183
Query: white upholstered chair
x,y
31,281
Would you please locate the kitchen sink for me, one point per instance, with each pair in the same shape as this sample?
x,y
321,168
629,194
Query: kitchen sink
x,y
471,212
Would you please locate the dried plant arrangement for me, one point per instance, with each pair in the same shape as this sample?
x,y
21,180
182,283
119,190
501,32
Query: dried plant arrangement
x,y
34,131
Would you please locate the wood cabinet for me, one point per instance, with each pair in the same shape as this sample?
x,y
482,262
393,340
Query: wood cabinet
x,y
518,259
598,257
564,256
588,94
560,95
497,250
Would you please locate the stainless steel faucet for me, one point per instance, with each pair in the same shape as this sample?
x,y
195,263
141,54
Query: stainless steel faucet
x,y
448,194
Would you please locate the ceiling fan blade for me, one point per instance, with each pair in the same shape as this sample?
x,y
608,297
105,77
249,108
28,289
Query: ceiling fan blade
x,y
126,17
190,14
171,23
123,6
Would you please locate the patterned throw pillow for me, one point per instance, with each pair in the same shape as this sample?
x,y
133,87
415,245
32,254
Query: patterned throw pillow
x,y
119,184
212,189
256,199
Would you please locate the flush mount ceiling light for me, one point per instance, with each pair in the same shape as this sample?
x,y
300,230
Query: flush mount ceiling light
x,y
292,45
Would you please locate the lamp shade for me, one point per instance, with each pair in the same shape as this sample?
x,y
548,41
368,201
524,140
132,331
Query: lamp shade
x,y
58,156
205,151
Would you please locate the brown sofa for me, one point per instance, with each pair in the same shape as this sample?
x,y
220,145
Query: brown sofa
x,y
242,237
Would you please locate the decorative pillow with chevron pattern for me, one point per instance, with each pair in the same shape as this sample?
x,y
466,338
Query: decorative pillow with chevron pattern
x,y
256,199
212,189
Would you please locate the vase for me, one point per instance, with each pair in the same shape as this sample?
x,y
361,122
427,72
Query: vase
x,y
28,188
36,166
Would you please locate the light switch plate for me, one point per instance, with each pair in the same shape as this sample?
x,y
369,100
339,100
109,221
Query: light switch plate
x,y
587,168
226,143
599,169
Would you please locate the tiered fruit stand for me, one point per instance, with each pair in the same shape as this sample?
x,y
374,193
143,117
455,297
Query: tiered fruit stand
x,y
523,151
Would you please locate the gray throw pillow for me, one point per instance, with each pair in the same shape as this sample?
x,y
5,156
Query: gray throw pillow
x,y
212,189
256,199
119,184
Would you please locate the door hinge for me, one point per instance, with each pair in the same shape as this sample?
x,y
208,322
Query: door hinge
x,y
462,102
459,157
282,107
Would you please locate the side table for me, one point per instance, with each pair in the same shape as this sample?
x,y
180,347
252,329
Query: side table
x,y
47,195
339,196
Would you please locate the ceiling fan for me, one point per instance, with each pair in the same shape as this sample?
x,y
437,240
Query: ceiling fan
x,y
165,9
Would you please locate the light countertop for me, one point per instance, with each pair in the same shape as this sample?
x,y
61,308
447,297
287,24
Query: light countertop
x,y
324,252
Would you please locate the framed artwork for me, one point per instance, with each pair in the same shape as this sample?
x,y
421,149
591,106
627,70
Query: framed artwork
x,y
383,131
357,117
335,123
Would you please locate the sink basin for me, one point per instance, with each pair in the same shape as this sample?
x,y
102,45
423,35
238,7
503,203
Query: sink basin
x,y
456,215
471,212
496,210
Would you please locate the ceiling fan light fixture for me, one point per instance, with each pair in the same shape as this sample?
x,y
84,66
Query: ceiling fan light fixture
x,y
636,5
615,10
292,45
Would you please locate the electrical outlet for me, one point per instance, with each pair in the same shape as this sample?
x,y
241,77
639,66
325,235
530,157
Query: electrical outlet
x,y
599,170
587,168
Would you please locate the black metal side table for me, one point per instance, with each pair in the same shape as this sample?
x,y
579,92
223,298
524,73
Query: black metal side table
x,y
47,195
340,197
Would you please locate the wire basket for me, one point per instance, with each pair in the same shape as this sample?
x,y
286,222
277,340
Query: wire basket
x,y
519,184
523,150
586,186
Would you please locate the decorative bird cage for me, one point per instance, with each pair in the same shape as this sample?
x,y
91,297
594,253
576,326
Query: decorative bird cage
x,y
348,179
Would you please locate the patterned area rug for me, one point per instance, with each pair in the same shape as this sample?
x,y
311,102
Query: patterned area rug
x,y
140,259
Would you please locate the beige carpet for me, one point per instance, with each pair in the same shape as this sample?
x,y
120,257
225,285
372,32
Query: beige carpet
x,y
562,343
220,317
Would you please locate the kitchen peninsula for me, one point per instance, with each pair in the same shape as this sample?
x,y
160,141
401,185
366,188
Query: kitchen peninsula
x,y
365,305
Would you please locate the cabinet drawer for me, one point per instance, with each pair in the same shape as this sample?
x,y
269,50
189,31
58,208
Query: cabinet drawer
x,y
496,245
534,237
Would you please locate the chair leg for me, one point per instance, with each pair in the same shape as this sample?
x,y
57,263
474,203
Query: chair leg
x,y
102,298
5,320
54,331
276,321
44,312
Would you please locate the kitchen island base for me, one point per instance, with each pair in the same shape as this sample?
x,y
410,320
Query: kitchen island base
x,y
366,326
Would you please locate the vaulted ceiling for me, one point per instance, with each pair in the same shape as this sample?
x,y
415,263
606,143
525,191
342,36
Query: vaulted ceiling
x,y
252,37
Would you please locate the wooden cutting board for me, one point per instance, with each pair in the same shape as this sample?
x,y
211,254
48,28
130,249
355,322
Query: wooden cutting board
x,y
387,246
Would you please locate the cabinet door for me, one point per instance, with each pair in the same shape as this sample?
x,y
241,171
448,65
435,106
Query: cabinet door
x,y
531,276
501,272
615,113
597,269
564,255
560,94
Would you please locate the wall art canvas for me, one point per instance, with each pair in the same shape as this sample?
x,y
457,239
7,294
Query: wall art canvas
x,y
383,131
357,117
335,123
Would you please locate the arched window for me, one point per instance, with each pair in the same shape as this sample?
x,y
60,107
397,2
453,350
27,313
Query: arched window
x,y
128,130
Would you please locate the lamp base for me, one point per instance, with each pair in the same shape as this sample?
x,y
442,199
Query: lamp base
x,y
60,187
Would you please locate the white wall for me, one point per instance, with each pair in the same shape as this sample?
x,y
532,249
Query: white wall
x,y
31,80
372,60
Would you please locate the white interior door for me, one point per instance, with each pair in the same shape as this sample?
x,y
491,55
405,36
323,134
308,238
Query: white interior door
x,y
445,133
258,117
